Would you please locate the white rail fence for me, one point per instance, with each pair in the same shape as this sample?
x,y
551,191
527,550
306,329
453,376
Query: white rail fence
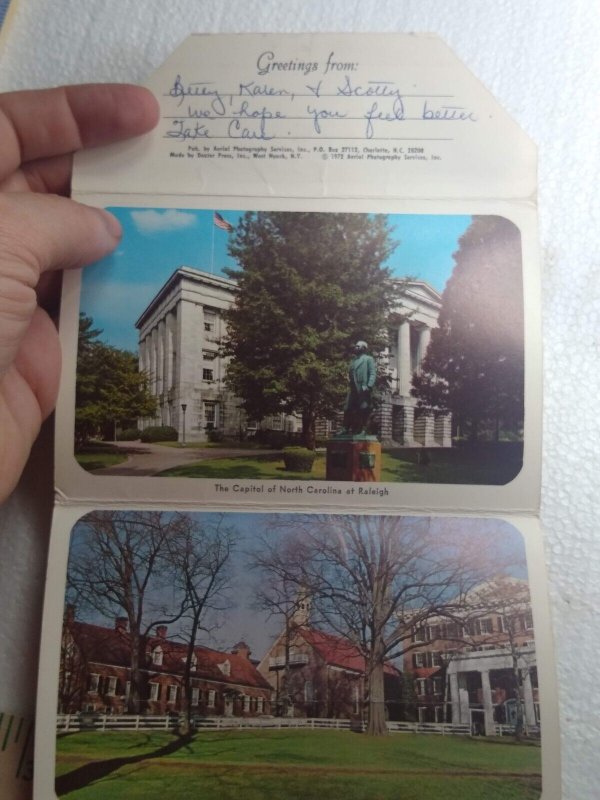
x,y
130,722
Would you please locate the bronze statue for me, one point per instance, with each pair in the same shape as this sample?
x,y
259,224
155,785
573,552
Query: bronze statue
x,y
361,375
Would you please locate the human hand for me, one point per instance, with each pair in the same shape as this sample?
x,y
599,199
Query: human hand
x,y
42,232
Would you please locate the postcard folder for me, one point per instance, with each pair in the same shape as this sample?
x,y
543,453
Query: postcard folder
x,y
386,124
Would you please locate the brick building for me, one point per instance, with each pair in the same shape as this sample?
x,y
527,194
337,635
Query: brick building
x,y
318,674
475,666
95,674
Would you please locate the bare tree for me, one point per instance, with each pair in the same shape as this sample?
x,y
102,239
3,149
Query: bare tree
x,y
119,562
199,554
372,579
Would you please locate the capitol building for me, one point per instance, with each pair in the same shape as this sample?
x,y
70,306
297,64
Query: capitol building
x,y
180,332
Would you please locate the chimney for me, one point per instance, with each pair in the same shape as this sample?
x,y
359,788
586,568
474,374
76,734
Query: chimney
x,y
241,649
161,631
121,624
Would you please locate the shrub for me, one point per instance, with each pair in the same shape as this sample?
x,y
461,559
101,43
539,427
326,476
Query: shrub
x,y
128,435
215,436
159,433
298,459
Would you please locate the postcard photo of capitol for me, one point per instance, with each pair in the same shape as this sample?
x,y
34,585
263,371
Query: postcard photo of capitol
x,y
304,345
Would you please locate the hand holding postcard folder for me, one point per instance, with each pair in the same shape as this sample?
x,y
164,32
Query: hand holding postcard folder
x,y
369,190
41,233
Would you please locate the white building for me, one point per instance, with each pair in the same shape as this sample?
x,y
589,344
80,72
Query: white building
x,y
179,348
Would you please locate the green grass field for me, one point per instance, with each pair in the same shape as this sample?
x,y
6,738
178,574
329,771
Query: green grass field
x,y
484,463
295,765
96,455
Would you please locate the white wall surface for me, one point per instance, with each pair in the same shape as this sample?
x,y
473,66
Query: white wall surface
x,y
542,61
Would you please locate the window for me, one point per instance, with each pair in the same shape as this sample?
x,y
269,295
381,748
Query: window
x,y
153,691
195,696
436,659
528,621
157,656
210,321
208,374
209,355
434,632
111,687
246,704
225,668
211,698
437,686
486,626
421,686
172,693
194,662
419,659
260,705
94,683
419,635
211,414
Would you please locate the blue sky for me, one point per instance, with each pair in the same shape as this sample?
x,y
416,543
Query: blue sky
x,y
255,627
156,242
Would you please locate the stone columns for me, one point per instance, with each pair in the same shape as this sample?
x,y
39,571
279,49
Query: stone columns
x,y
160,357
463,695
443,430
153,368
425,429
488,705
528,699
424,339
455,698
403,359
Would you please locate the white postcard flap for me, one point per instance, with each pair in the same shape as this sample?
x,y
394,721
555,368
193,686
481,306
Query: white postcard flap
x,y
318,115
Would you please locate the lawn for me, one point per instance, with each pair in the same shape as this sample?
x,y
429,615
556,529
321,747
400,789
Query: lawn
x,y
259,467
96,455
297,765
483,463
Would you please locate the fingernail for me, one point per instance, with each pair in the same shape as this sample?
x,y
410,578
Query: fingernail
x,y
112,224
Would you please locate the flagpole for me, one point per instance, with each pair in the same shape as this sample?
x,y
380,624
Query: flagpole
x,y
212,248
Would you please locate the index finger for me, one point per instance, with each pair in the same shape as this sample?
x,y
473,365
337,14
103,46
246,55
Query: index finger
x,y
50,122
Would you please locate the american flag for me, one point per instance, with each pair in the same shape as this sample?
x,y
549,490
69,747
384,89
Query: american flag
x,y
222,223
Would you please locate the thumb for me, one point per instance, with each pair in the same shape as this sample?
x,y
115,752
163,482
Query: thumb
x,y
40,233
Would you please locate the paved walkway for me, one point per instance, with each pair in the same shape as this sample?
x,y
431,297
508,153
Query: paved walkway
x,y
150,459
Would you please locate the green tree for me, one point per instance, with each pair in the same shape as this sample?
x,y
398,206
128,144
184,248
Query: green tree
x,y
310,285
474,366
110,388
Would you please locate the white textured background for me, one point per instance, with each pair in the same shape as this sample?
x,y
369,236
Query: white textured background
x,y
542,61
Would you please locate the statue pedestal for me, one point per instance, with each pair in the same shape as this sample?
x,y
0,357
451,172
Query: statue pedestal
x,y
353,458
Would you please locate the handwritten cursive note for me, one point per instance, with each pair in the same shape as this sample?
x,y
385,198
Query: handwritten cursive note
x,y
333,107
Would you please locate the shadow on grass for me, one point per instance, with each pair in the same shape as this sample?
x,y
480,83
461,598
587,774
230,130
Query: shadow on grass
x,y
489,463
97,770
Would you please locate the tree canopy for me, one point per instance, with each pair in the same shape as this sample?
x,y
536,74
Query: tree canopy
x,y
310,286
474,366
110,387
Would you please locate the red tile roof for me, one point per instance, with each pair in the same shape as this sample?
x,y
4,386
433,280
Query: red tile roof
x,y
112,646
339,652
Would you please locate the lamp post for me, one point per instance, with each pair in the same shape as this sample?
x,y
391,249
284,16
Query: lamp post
x,y
183,408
